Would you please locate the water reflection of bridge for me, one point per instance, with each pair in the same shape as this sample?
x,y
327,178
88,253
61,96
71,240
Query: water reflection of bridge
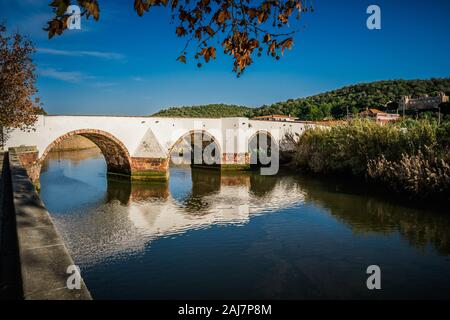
x,y
136,214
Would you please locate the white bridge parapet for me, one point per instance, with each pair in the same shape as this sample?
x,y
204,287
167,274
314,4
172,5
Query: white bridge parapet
x,y
141,146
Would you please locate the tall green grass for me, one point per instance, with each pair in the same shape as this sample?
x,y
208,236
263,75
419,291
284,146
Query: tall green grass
x,y
410,157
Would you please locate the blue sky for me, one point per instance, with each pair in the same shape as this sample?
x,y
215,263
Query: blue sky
x,y
125,64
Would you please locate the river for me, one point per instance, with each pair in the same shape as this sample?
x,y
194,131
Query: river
x,y
232,236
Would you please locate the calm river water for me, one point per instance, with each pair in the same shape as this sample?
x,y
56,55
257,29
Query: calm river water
x,y
206,235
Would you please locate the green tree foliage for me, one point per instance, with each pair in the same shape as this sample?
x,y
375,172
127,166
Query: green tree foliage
x,y
334,104
383,95
205,111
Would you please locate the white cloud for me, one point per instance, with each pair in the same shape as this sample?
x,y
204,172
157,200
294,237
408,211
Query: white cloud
x,y
67,76
103,84
81,53
76,77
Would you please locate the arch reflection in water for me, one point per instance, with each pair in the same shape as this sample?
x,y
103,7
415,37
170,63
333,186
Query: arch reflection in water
x,y
306,226
134,214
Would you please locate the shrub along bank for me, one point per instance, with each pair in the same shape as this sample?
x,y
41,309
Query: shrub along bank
x,y
411,157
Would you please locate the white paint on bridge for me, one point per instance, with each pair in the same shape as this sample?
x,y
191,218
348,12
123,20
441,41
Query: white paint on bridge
x,y
132,144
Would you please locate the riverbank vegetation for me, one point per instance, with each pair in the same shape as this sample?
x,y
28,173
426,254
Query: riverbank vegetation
x,y
411,157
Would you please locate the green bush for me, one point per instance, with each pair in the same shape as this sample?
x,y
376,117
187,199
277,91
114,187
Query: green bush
x,y
364,148
443,135
347,148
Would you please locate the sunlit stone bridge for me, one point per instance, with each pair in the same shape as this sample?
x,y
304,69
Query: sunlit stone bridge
x,y
141,147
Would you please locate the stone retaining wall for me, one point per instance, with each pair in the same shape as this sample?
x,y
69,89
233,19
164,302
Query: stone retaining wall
x,y
43,256
10,282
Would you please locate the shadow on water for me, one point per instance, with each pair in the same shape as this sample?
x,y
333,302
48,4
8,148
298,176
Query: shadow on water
x,y
205,183
365,213
128,192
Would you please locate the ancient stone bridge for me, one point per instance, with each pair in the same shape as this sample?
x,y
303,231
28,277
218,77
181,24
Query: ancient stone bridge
x,y
141,147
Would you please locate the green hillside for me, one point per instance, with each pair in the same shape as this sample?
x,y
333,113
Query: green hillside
x,y
206,111
334,104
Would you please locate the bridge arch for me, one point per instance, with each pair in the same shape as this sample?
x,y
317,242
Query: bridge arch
x,y
253,145
116,154
189,138
261,131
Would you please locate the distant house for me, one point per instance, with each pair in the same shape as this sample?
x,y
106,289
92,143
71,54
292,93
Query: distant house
x,y
275,117
378,116
422,103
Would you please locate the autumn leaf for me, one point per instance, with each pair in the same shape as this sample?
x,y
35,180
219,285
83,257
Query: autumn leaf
x,y
222,16
208,53
209,30
92,8
60,6
253,43
282,18
180,31
251,13
140,6
272,47
204,3
182,58
266,6
212,52
262,16
246,26
198,34
287,43
56,27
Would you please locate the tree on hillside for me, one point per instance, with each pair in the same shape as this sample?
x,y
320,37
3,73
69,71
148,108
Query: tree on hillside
x,y
383,95
18,105
205,111
244,26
